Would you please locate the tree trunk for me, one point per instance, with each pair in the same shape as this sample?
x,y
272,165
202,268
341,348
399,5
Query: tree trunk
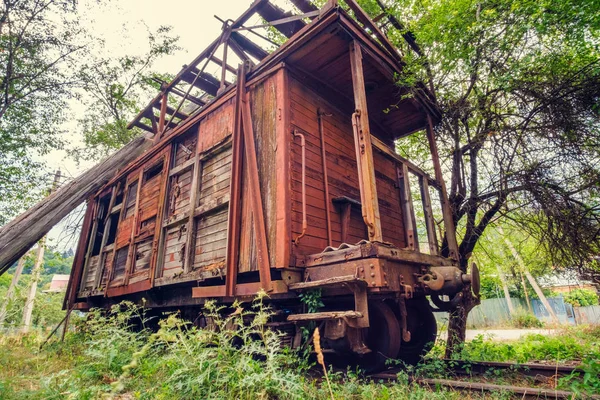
x,y
457,322
23,232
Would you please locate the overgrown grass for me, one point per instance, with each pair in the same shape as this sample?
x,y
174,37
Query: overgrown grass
x,y
568,344
577,344
105,358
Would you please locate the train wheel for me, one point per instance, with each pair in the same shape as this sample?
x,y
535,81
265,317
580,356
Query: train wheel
x,y
423,331
383,337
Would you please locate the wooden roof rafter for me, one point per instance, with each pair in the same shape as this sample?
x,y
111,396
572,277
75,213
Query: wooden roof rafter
x,y
196,87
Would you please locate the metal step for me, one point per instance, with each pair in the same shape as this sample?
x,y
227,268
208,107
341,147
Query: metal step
x,y
320,316
338,280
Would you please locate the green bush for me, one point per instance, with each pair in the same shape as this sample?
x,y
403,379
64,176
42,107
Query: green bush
x,y
581,298
523,319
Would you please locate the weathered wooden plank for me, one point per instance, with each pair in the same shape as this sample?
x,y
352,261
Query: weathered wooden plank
x,y
235,203
364,148
283,197
211,235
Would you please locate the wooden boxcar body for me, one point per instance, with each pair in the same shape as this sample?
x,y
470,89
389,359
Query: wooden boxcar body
x,y
285,180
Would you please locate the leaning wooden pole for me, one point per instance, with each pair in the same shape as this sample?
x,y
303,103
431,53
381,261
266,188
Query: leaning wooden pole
x,y
23,232
11,289
530,278
37,269
511,308
35,277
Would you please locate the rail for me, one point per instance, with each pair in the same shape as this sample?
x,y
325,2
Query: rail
x,y
550,373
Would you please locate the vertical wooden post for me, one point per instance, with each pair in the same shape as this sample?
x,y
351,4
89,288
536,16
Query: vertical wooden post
x,y
364,149
224,61
191,223
234,216
163,114
11,288
37,269
256,204
283,239
446,211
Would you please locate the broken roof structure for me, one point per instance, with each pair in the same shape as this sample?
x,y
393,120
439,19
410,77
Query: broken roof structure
x,y
194,87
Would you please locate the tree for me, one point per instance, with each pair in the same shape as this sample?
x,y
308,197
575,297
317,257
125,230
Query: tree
x,y
41,42
116,89
47,58
518,82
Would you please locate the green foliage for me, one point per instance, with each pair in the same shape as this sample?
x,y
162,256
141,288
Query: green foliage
x,y
47,310
581,298
523,319
118,89
105,358
517,82
312,300
40,44
591,378
48,62
573,343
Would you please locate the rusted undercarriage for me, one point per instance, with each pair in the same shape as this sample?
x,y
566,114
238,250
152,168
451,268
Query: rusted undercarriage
x,y
281,175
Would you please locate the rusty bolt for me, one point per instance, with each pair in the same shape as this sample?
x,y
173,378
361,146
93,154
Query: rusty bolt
x,y
372,274
372,266
373,283
362,269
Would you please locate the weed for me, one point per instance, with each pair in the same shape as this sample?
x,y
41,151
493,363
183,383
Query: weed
x,y
523,319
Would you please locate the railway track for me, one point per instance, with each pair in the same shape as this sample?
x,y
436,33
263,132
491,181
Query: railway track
x,y
541,373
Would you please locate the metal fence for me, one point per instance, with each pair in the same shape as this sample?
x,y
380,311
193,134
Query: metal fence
x,y
495,313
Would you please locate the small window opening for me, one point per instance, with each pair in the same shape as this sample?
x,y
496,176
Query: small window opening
x,y
112,231
153,172
101,219
119,196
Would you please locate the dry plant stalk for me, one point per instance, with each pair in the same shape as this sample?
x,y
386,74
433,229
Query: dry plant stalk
x,y
320,358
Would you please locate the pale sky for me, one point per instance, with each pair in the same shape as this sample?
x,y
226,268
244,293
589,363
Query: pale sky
x,y
124,26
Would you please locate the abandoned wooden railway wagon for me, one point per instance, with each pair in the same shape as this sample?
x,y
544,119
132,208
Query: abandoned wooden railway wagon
x,y
282,175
